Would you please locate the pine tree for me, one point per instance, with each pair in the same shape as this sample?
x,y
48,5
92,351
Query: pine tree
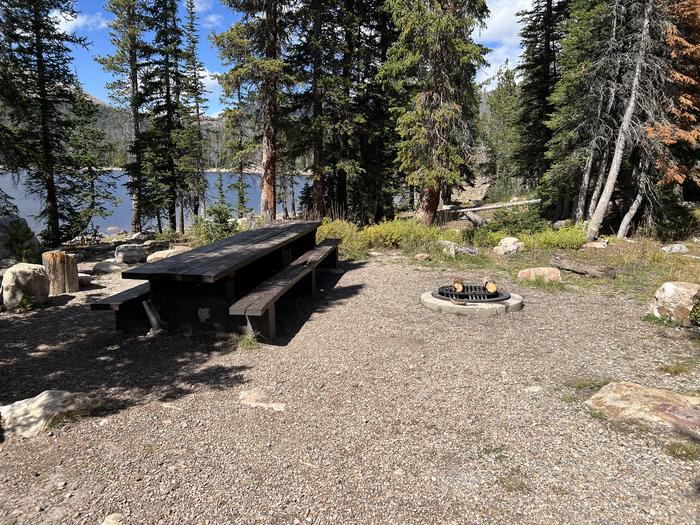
x,y
162,86
434,62
191,140
253,49
88,185
500,131
43,84
540,38
127,65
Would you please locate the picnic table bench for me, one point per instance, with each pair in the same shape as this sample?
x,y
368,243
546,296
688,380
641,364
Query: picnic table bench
x,y
229,285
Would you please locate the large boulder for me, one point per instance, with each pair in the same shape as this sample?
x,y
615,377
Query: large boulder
x,y
546,273
17,241
164,254
129,254
675,248
25,280
509,245
674,300
28,417
626,401
108,266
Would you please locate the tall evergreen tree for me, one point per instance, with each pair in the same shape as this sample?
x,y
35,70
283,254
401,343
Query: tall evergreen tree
x,y
253,49
540,39
127,65
43,85
434,62
162,86
499,130
191,140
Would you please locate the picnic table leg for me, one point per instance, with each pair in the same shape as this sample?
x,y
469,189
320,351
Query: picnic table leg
x,y
263,325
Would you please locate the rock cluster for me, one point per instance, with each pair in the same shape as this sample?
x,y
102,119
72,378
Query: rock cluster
x,y
129,254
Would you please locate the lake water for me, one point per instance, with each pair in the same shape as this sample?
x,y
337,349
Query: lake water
x,y
29,206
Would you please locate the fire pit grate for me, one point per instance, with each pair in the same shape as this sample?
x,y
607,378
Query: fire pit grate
x,y
472,293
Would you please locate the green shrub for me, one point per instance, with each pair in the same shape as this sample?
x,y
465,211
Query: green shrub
x,y
486,237
569,237
405,234
217,225
695,314
518,221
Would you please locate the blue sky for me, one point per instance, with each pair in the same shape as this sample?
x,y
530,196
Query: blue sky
x,y
501,36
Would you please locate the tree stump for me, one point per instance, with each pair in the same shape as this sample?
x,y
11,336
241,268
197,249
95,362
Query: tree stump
x,y
62,268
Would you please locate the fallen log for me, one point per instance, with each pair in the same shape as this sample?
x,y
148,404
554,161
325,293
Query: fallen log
x,y
590,270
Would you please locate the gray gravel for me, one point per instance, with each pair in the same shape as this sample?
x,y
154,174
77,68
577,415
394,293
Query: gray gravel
x,y
393,414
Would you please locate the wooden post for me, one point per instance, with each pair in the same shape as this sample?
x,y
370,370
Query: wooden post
x,y
63,271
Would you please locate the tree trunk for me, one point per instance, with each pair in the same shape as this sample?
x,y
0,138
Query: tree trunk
x,y
318,173
428,204
583,190
182,213
623,133
642,178
135,170
602,169
62,269
269,95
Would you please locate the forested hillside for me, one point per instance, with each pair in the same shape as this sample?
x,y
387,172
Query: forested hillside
x,y
375,101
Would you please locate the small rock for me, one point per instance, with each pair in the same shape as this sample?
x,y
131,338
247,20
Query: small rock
x,y
375,254
601,244
25,280
84,280
509,245
140,237
129,254
549,274
674,300
117,518
256,398
108,266
675,248
558,225
422,257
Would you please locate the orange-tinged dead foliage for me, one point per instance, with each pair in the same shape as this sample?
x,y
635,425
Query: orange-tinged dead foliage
x,y
683,134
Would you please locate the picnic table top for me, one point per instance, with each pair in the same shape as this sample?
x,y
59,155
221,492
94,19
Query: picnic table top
x,y
222,258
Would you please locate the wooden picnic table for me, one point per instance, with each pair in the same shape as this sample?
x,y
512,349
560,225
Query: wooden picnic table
x,y
194,289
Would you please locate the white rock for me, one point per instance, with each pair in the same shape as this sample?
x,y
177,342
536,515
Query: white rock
x,y
548,274
452,249
84,280
509,245
129,254
674,300
256,398
28,417
140,237
25,280
596,245
108,266
675,248
164,254
116,518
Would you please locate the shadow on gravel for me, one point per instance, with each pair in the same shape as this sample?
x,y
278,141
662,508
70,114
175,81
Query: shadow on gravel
x,y
295,309
69,347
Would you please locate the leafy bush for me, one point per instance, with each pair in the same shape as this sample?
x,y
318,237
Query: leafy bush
x,y
218,224
695,315
404,234
485,237
518,221
569,237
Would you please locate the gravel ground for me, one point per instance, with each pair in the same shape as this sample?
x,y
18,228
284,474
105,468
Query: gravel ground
x,y
392,414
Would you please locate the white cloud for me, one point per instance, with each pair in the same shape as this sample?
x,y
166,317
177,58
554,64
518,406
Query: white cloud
x,y
202,6
502,35
210,82
212,20
82,21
